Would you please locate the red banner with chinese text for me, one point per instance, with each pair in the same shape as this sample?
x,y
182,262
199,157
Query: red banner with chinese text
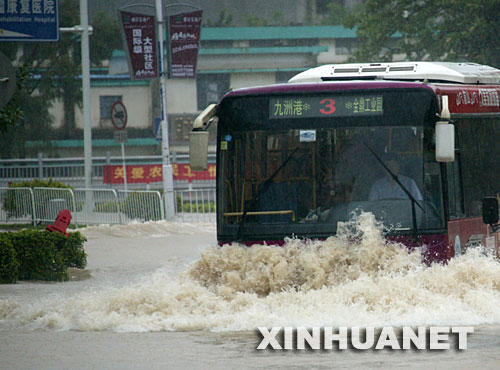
x,y
140,36
147,173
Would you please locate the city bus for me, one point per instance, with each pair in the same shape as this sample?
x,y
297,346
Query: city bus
x,y
417,144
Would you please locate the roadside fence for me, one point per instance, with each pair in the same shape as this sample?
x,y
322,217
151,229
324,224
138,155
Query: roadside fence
x,y
194,205
102,206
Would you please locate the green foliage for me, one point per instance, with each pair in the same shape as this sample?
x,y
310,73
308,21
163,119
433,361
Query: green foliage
x,y
225,20
198,207
38,256
277,19
105,38
70,248
37,183
106,207
9,267
453,30
42,255
11,113
194,207
51,71
336,14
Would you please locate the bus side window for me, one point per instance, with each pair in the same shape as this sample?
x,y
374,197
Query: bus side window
x,y
455,196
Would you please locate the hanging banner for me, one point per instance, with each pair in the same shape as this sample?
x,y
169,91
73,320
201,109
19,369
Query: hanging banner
x,y
140,38
147,173
184,35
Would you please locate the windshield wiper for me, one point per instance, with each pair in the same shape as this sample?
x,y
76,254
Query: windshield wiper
x,y
262,191
406,191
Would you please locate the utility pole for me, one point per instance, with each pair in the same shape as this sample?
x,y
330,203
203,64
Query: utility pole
x,y
85,30
168,179
87,128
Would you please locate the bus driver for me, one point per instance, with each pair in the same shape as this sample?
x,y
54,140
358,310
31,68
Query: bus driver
x,y
387,188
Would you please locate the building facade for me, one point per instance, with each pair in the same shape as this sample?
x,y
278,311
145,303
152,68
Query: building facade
x,y
229,58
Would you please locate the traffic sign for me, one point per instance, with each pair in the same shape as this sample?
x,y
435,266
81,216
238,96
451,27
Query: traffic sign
x,y
35,20
121,136
118,115
158,129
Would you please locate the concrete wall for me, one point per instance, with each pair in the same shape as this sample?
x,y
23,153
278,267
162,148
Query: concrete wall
x,y
137,101
181,95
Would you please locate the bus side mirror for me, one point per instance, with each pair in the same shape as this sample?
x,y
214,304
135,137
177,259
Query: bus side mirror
x,y
490,212
445,142
198,138
198,150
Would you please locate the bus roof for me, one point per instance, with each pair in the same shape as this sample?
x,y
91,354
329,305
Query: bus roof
x,y
324,87
464,73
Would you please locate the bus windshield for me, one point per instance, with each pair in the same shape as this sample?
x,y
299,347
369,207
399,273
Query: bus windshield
x,y
303,181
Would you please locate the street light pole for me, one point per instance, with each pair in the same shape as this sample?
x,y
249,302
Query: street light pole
x,y
87,130
168,182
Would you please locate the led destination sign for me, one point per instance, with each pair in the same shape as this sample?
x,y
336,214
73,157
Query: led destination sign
x,y
325,106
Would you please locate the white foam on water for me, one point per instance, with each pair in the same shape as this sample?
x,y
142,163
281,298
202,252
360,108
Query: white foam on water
x,y
354,279
153,229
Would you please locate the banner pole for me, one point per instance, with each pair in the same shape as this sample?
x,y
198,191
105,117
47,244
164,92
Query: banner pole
x,y
124,168
168,181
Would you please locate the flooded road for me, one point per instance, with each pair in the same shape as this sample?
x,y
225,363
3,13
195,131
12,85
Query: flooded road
x,y
162,295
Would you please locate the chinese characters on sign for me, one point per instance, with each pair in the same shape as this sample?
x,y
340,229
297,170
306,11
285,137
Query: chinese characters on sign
x,y
29,20
184,31
485,97
113,174
140,36
320,106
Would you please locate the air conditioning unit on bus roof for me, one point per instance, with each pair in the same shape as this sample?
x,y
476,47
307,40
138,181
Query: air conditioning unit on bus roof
x,y
466,73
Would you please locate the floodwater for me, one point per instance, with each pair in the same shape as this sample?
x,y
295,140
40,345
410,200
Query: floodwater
x,y
163,295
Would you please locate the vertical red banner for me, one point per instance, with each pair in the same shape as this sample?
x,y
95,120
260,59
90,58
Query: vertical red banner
x,y
140,36
184,34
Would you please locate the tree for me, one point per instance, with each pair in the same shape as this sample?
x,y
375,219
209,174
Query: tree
x,y
53,69
25,117
225,20
335,15
10,114
452,30
277,19
101,47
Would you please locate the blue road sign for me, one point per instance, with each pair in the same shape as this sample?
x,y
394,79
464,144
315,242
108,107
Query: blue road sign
x,y
29,20
158,129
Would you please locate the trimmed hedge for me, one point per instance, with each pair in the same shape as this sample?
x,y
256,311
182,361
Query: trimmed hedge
x,y
9,267
43,255
191,207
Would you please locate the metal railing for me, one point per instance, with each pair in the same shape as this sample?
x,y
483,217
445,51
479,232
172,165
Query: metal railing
x,y
102,206
141,205
17,205
97,206
50,201
195,205
71,170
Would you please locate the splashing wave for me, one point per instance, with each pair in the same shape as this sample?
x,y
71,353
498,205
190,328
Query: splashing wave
x,y
354,279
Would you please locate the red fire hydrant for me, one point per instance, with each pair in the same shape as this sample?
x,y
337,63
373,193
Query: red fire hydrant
x,y
61,223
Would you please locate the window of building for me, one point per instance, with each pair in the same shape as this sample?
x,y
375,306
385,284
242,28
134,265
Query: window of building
x,y
346,46
105,104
